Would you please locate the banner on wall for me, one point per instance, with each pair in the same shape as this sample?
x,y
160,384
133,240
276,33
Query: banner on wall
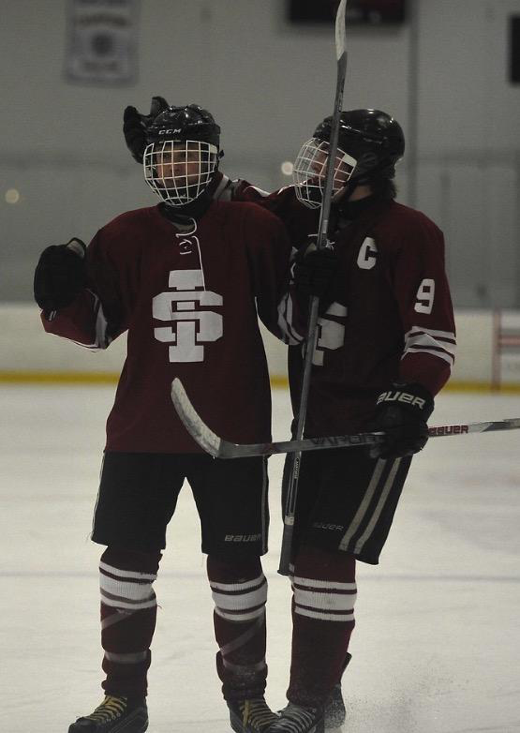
x,y
507,348
101,44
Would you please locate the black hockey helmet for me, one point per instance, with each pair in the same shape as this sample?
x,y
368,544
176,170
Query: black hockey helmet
x,y
184,123
372,137
182,154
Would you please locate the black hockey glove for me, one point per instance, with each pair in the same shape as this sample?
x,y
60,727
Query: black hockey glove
x,y
314,273
402,413
60,274
135,124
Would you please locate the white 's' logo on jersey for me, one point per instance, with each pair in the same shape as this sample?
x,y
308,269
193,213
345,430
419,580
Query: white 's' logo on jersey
x,y
331,334
192,327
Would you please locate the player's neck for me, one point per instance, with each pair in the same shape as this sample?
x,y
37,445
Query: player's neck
x,y
195,210
353,208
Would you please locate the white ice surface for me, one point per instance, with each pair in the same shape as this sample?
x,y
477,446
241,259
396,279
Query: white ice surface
x,y
436,648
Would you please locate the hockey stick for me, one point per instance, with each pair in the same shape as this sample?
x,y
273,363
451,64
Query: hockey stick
x,y
220,448
312,327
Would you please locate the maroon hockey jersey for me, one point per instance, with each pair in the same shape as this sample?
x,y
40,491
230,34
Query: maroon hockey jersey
x,y
391,319
189,301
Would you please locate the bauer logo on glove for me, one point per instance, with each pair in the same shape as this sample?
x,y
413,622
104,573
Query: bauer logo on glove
x,y
401,414
395,396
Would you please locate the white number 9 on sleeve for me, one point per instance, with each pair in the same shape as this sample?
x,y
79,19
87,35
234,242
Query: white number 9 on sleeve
x,y
425,296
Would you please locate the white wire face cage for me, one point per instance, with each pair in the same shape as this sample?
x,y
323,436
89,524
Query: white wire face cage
x,y
309,171
179,171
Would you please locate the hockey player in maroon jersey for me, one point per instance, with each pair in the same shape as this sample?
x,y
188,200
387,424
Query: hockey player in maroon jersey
x,y
186,280
385,348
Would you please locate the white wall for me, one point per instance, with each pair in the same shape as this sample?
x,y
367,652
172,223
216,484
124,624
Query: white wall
x,y
268,85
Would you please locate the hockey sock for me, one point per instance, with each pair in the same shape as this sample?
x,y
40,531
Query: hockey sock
x,y
239,591
128,615
324,593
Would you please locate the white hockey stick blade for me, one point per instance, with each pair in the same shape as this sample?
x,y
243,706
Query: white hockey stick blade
x,y
220,448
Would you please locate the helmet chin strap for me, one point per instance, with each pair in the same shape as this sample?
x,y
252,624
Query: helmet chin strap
x,y
347,191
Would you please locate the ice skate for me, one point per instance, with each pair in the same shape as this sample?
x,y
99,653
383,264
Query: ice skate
x,y
297,719
114,715
251,716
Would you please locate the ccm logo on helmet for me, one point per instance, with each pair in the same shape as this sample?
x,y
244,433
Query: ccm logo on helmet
x,y
170,131
409,399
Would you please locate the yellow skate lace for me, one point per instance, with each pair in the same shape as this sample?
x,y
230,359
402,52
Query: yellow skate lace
x,y
257,714
110,709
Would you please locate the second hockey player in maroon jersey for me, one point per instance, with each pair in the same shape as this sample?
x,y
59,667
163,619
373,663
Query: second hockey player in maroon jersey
x,y
385,348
